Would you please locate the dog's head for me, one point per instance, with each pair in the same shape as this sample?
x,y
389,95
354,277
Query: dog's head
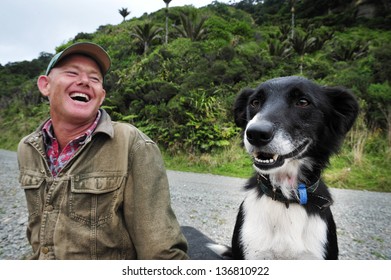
x,y
289,121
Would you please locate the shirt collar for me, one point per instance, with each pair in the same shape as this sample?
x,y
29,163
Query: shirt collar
x,y
48,132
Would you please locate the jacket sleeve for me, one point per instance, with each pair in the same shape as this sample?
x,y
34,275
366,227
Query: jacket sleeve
x,y
151,222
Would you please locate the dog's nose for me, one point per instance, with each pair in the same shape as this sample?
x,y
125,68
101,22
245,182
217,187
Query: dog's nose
x,y
259,134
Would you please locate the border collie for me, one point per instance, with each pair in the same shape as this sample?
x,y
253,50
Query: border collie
x,y
291,126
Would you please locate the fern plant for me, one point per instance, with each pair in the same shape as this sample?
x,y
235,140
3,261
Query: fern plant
x,y
348,51
191,27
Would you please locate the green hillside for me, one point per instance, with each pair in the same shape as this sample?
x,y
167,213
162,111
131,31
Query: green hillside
x,y
181,92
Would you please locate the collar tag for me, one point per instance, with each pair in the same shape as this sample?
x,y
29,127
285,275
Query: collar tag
x,y
302,193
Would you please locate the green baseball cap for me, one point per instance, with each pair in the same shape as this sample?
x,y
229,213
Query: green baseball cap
x,y
92,50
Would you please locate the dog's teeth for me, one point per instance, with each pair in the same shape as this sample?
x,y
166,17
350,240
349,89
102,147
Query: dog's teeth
x,y
275,157
272,160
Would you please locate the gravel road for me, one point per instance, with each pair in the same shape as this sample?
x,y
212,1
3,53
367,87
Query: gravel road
x,y
209,203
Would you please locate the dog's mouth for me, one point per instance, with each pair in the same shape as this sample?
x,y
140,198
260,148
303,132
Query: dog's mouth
x,y
266,161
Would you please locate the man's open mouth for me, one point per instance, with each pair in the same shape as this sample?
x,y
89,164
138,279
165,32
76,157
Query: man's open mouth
x,y
81,97
266,161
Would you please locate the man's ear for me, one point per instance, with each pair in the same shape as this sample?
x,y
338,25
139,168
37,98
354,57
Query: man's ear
x,y
104,97
43,85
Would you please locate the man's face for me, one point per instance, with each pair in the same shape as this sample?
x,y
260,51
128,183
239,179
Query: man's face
x,y
75,90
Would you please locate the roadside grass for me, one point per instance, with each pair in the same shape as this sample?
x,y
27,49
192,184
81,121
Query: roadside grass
x,y
230,161
372,174
364,162
17,122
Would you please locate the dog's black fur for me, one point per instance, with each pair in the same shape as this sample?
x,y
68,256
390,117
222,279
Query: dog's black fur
x,y
311,121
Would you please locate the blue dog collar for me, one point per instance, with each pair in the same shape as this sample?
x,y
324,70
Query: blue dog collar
x,y
306,195
302,193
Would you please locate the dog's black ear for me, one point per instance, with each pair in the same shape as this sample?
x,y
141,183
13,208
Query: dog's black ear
x,y
240,107
345,109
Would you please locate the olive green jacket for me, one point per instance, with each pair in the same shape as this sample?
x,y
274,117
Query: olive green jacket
x,y
111,200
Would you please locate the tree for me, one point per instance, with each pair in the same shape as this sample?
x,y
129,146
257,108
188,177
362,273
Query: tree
x,y
124,12
190,28
167,2
302,44
146,34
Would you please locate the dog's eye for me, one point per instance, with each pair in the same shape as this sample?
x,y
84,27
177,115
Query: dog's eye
x,y
255,103
302,102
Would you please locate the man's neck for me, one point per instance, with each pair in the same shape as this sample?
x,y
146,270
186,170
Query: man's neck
x,y
65,133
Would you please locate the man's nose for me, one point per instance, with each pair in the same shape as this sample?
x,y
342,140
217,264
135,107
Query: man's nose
x,y
83,79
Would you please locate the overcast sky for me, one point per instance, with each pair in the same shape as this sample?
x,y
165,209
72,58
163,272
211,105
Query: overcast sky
x,y
29,27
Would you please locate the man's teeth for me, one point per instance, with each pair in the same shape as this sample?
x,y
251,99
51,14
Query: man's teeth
x,y
270,160
80,96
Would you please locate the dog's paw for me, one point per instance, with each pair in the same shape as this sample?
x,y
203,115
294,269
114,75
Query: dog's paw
x,y
223,251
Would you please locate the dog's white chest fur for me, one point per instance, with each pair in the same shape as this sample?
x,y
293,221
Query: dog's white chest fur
x,y
272,231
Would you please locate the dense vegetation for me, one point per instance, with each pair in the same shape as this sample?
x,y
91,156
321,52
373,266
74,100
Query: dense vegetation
x,y
179,87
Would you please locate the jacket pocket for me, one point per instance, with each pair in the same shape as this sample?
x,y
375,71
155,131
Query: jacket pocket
x,y
94,198
31,184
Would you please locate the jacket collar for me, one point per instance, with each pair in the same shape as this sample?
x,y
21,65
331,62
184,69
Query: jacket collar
x,y
105,125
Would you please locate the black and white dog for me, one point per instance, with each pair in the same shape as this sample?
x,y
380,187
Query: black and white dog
x,y
291,126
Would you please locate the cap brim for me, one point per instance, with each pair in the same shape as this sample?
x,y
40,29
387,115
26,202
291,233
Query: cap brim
x,y
92,50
